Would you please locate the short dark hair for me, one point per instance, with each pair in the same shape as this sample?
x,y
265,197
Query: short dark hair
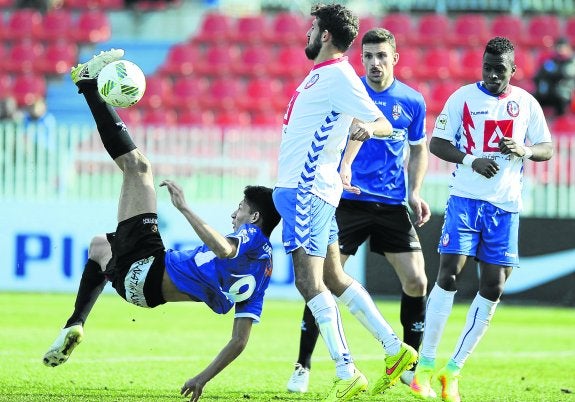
x,y
339,22
259,199
378,35
499,46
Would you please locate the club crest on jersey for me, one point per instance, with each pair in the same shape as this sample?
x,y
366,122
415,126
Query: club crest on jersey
x,y
445,239
396,111
513,108
312,81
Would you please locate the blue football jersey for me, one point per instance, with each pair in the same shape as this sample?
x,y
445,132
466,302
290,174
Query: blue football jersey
x,y
378,167
223,283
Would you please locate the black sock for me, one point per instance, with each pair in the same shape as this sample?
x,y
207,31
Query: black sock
x,y
91,285
308,338
412,318
112,129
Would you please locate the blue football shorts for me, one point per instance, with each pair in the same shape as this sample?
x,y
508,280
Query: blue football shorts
x,y
479,229
308,221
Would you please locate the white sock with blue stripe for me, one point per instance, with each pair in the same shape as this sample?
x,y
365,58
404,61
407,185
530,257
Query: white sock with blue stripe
x,y
478,318
327,318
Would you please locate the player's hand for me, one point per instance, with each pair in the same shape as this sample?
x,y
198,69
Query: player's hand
x,y
360,132
420,209
485,167
176,194
345,174
508,146
193,388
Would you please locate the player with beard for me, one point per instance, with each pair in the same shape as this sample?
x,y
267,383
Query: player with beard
x,y
378,208
490,129
328,106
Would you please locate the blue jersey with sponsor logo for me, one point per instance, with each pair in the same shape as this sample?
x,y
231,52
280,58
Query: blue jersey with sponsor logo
x,y
222,283
378,167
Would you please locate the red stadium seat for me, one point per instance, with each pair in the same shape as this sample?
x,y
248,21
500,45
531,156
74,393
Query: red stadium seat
x,y
438,95
93,27
525,63
401,26
158,92
267,119
232,118
26,88
564,125
59,57
262,94
508,26
131,116
215,28
409,62
5,84
161,117
438,63
187,92
181,59
195,117
471,64
365,24
470,30
290,62
288,29
23,57
219,60
542,30
432,30
56,24
254,60
569,30
251,29
22,24
354,58
222,94
4,51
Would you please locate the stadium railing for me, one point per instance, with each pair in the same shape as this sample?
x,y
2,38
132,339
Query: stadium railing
x,y
215,163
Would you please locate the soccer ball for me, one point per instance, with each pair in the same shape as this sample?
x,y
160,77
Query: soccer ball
x,y
121,83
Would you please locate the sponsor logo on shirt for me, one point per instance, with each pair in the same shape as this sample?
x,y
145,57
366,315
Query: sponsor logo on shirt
x,y
445,239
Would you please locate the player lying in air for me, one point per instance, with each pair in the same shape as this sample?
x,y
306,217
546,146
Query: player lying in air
x,y
224,272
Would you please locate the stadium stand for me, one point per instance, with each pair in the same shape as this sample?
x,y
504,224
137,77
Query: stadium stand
x,y
401,24
56,25
92,27
432,30
469,30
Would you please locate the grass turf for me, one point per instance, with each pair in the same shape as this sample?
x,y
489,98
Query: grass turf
x,y
131,354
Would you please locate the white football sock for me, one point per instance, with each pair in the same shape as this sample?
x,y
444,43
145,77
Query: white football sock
x,y
361,305
326,314
478,318
439,305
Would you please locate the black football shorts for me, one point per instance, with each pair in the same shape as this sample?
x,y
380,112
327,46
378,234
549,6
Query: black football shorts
x,y
388,227
137,266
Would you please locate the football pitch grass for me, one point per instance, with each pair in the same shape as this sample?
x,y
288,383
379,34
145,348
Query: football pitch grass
x,y
132,354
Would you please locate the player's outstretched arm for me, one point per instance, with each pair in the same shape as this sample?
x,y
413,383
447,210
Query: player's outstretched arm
x,y
240,335
223,247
